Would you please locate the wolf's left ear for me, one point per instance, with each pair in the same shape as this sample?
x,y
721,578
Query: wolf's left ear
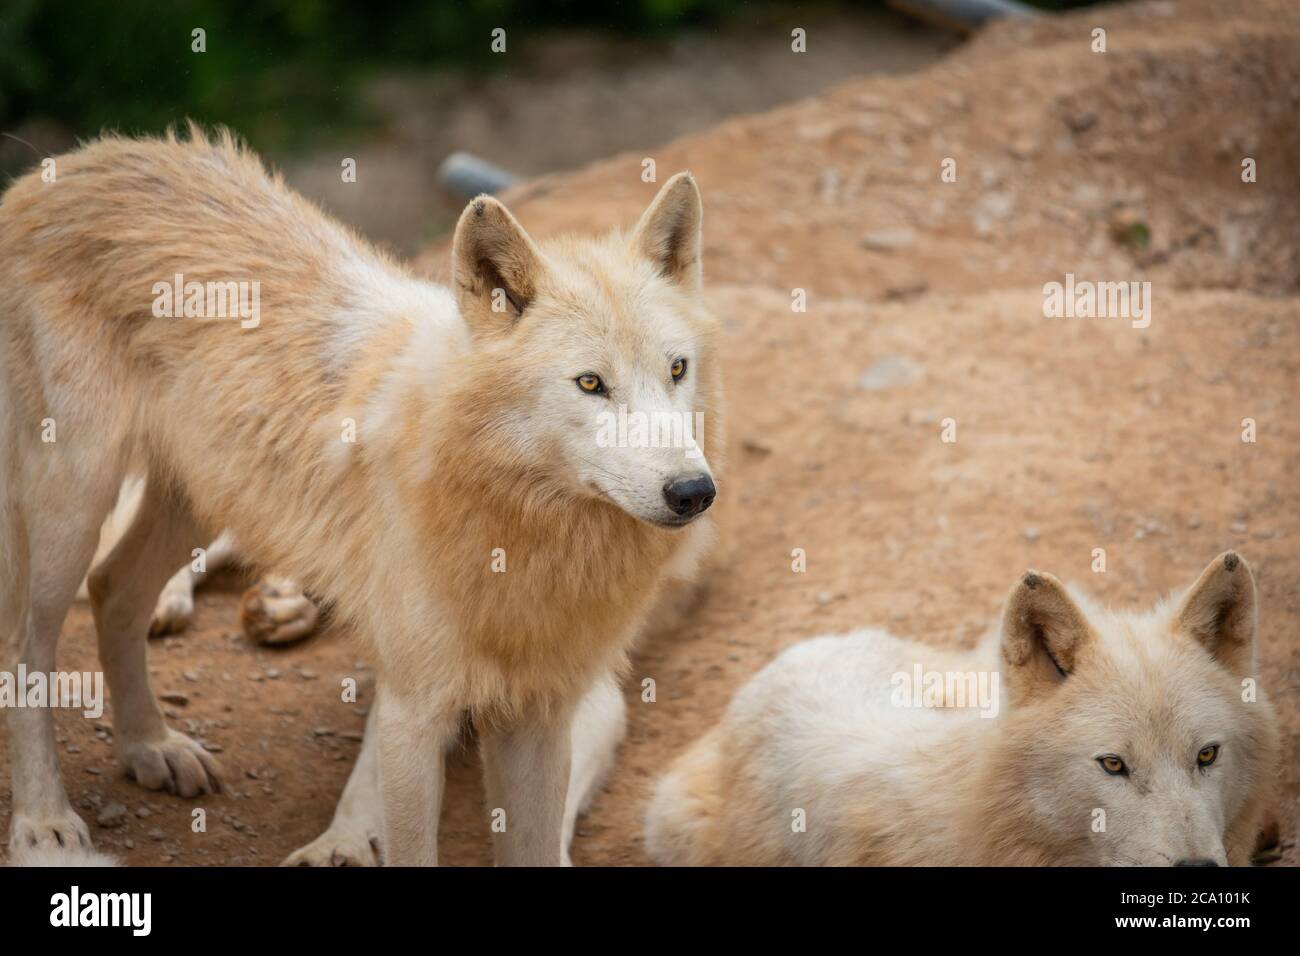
x,y
495,266
669,233
1219,612
1043,633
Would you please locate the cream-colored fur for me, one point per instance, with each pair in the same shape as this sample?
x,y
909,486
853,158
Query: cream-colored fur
x,y
817,739
59,856
378,438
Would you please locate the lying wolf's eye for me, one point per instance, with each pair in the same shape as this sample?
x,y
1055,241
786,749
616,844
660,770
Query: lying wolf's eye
x,y
591,384
1112,765
1207,755
679,369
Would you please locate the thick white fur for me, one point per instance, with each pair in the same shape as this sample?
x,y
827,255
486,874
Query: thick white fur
x,y
59,856
817,733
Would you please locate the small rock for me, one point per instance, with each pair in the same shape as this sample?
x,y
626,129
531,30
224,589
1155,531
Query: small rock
x,y
906,290
180,700
1031,534
191,676
113,815
157,835
1024,147
891,371
889,240
1081,120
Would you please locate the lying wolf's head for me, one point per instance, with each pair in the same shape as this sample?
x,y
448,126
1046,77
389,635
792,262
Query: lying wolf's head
x,y
1137,738
596,356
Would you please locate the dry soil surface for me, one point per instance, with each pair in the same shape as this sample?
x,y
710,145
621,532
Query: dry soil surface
x,y
924,303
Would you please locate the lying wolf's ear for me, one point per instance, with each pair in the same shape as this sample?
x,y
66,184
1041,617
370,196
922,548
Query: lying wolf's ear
x,y
1219,612
669,231
495,267
1043,631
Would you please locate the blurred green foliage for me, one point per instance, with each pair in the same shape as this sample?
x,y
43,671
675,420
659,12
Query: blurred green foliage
x,y
280,69
284,65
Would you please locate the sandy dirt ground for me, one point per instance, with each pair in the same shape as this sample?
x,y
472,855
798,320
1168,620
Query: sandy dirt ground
x,y
924,303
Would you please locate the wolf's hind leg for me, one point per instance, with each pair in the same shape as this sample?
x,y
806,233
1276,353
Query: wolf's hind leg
x,y
123,588
41,565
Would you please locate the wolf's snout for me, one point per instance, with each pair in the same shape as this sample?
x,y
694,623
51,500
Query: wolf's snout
x,y
1201,861
689,495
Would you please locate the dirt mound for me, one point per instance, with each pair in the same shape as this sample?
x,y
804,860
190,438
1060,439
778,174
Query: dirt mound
x,y
924,303
1059,151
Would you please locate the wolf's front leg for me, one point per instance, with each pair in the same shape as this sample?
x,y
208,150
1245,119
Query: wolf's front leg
x,y
526,773
353,837
412,739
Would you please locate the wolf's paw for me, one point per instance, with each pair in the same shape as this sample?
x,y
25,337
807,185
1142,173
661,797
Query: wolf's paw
x,y
277,612
175,764
52,832
338,847
173,614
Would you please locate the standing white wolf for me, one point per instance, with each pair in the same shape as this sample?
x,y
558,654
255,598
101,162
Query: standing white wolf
x,y
1118,739
425,458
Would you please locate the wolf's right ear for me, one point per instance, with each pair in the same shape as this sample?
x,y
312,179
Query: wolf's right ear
x,y
495,266
1043,631
1219,612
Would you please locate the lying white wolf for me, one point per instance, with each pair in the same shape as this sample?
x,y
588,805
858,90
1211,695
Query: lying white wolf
x,y
1116,738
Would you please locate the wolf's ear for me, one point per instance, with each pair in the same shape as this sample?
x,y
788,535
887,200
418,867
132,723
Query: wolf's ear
x,y
669,233
1043,631
495,266
1219,612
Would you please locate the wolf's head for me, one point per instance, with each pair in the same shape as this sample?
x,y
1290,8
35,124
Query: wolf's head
x,y
1138,739
596,356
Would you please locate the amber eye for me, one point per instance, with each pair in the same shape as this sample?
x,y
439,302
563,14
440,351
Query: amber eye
x,y
591,384
1207,755
679,369
1112,765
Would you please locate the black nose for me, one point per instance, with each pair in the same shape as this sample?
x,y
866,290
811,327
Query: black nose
x,y
1197,862
688,495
